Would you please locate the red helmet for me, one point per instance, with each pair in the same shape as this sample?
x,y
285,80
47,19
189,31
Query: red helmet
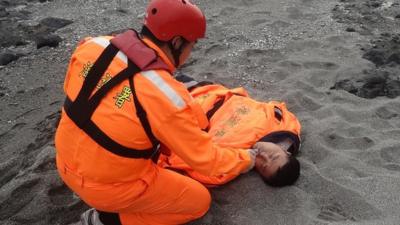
x,y
169,18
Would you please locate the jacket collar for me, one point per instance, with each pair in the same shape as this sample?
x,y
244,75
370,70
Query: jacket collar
x,y
160,53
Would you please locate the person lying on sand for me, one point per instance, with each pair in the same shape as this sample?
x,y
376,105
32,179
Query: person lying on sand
x,y
121,103
276,164
238,121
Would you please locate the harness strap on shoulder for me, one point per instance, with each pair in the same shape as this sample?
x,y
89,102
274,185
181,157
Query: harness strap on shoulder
x,y
81,110
130,71
142,115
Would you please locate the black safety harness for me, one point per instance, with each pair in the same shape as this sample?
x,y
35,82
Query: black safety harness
x,y
81,110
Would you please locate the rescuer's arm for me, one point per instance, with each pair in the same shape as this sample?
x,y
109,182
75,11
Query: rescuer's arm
x,y
176,122
181,133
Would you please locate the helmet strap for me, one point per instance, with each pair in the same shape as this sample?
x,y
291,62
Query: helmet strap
x,y
176,53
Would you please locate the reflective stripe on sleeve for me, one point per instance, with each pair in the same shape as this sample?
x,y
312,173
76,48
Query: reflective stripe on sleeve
x,y
158,81
104,42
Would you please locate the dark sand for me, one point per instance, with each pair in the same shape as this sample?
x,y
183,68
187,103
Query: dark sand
x,y
335,63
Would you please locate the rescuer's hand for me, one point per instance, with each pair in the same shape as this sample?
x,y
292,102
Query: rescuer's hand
x,y
253,152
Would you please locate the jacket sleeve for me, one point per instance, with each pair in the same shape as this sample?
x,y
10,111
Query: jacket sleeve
x,y
181,133
179,129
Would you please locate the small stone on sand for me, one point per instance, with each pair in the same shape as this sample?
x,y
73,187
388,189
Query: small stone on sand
x,y
50,40
55,23
7,57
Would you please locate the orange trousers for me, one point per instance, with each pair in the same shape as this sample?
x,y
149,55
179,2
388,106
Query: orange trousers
x,y
170,198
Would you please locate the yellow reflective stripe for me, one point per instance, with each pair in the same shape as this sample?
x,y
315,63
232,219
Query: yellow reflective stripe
x,y
159,82
104,42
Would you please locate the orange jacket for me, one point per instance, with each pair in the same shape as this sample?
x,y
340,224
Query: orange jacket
x,y
239,122
176,120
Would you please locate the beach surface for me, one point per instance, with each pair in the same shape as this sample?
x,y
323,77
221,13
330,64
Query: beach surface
x,y
335,63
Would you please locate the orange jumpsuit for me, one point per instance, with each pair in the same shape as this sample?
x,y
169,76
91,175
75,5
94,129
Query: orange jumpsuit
x,y
239,122
139,190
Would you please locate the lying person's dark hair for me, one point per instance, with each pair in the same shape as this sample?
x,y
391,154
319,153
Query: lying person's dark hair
x,y
286,175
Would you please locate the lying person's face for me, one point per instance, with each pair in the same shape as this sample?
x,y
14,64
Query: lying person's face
x,y
271,157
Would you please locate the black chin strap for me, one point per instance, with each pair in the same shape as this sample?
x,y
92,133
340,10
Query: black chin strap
x,y
176,53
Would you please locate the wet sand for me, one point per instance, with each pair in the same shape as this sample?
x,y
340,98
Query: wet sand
x,y
335,63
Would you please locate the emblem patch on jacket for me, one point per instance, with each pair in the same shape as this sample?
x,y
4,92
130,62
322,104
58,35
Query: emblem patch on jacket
x,y
125,95
233,120
107,77
85,70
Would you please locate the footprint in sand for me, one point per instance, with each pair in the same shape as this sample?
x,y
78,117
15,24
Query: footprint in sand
x,y
6,136
317,78
392,166
228,11
334,212
310,89
350,114
392,156
278,25
48,188
47,128
218,64
279,74
335,202
45,161
21,190
291,66
236,39
257,22
215,49
242,2
261,13
8,170
297,46
268,55
299,101
207,76
307,2
316,155
386,113
56,103
295,14
62,196
320,65
335,140
3,89
336,40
